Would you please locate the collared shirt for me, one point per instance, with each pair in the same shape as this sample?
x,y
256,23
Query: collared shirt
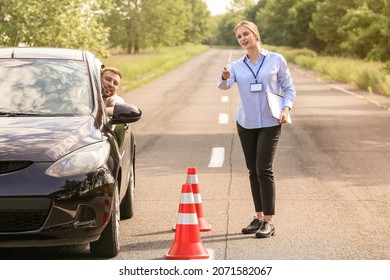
x,y
253,110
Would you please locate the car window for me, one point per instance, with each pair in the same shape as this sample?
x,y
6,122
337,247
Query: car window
x,y
45,87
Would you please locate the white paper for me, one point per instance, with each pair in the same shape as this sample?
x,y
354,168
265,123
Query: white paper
x,y
275,103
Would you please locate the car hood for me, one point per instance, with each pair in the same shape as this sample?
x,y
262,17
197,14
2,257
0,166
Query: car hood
x,y
45,138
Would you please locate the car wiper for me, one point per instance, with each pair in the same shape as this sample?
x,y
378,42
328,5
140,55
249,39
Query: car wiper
x,y
20,114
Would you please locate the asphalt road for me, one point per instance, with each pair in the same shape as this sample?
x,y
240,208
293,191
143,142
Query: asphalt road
x,y
331,169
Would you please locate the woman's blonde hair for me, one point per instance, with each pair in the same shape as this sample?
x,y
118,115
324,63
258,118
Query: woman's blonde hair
x,y
251,26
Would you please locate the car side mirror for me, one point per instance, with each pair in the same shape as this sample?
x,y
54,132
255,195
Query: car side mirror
x,y
125,113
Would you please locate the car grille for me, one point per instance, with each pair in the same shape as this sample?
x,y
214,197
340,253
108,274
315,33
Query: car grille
x,y
17,221
12,166
19,214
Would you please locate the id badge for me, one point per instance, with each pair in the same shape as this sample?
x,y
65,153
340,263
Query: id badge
x,y
256,87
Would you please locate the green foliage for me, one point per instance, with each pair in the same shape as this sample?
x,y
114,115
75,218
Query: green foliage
x,y
272,22
226,26
353,28
51,23
365,31
305,61
386,67
371,76
326,21
239,10
199,24
98,24
384,83
299,34
212,36
137,24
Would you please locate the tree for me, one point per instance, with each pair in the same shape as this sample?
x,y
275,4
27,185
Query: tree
x,y
326,21
226,28
239,10
165,22
299,34
67,23
137,24
273,20
199,27
124,20
366,30
358,28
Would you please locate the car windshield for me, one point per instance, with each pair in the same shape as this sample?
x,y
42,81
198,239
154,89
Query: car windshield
x,y
44,87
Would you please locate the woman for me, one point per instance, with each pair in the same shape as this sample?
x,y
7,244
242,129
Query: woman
x,y
256,73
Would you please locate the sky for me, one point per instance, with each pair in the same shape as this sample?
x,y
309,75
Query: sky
x,y
217,7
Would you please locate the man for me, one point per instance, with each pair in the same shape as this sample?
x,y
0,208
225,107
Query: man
x,y
111,78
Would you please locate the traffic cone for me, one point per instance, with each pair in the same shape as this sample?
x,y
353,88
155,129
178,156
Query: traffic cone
x,y
187,244
192,178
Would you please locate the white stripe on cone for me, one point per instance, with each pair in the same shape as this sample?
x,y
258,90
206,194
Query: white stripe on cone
x,y
187,219
197,198
192,179
187,198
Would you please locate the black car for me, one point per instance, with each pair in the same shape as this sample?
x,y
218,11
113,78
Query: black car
x,y
66,169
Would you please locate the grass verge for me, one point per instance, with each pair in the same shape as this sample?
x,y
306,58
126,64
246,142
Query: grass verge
x,y
141,68
366,75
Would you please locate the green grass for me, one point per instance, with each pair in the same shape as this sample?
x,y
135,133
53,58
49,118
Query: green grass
x,y
366,75
141,68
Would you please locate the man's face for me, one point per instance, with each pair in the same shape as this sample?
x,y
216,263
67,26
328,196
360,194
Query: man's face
x,y
110,82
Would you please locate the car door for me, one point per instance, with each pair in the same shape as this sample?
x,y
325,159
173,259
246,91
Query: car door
x,y
121,134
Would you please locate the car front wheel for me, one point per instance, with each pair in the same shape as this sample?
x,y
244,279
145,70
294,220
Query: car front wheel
x,y
107,246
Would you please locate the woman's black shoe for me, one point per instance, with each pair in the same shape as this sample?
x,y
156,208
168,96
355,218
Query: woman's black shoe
x,y
266,230
252,227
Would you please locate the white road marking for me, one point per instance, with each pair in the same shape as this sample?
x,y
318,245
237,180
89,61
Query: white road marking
x,y
224,99
217,157
223,118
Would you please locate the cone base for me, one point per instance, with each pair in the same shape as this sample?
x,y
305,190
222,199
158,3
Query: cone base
x,y
187,251
186,256
204,225
178,257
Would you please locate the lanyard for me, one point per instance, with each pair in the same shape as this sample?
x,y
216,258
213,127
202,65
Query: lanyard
x,y
255,75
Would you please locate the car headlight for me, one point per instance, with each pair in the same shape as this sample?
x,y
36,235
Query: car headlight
x,y
81,161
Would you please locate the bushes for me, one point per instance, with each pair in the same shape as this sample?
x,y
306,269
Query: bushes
x,y
371,76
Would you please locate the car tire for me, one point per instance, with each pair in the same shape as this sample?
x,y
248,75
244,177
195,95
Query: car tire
x,y
127,205
107,246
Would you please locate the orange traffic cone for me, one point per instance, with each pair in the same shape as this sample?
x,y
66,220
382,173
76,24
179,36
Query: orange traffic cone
x,y
192,178
187,244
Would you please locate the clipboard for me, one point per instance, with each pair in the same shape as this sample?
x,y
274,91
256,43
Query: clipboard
x,y
275,103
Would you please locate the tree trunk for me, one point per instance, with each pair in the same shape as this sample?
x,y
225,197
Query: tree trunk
x,y
129,48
